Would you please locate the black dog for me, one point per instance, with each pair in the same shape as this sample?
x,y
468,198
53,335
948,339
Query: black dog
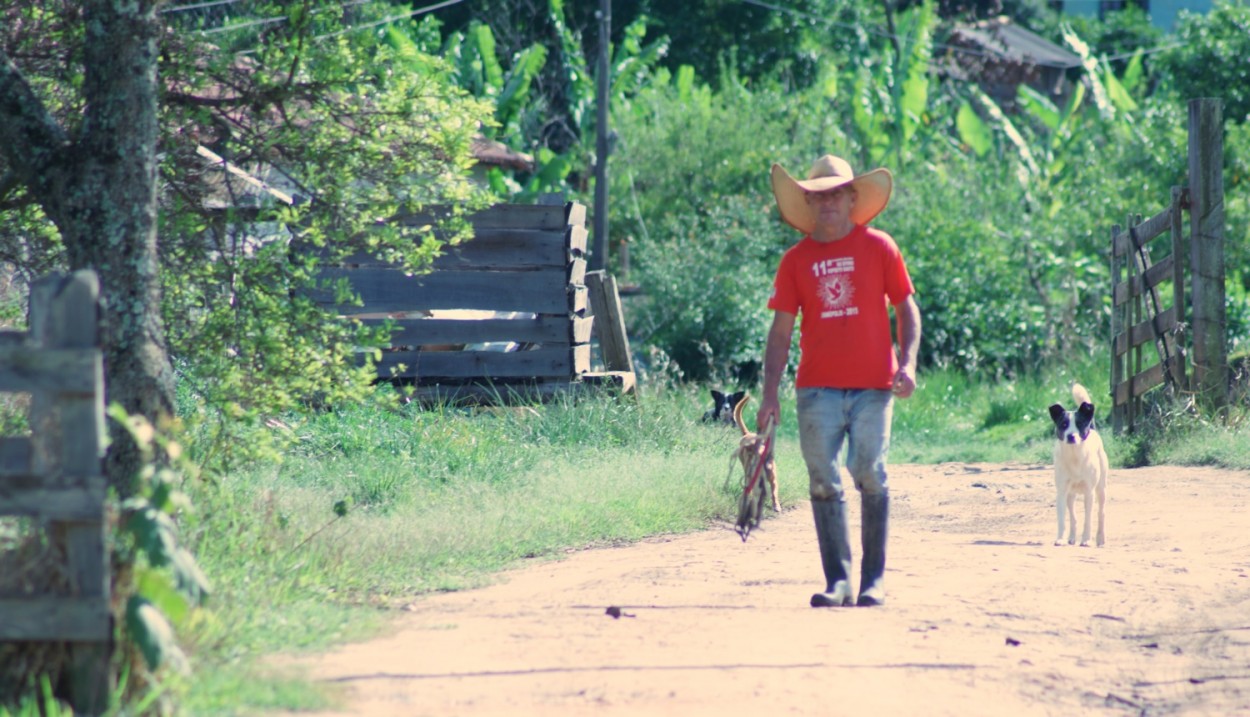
x,y
722,410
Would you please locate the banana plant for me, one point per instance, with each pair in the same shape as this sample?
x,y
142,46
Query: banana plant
x,y
891,105
631,66
475,68
1111,96
1042,153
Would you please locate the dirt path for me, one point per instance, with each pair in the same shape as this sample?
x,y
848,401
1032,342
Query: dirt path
x,y
984,616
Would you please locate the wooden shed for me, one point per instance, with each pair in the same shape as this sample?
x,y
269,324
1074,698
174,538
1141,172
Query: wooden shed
x,y
1000,55
508,312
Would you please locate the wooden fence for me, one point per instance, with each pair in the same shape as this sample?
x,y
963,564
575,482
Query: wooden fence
x,y
1144,314
521,281
1148,320
54,476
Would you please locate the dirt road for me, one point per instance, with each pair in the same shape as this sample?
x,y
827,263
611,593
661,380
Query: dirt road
x,y
984,616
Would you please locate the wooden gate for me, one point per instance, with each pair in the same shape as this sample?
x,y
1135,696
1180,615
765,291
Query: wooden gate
x,y
55,477
1144,312
1140,313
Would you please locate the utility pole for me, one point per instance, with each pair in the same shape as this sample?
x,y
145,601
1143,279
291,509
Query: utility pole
x,y
599,249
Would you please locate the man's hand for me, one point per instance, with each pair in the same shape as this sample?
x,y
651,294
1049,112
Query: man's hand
x,y
768,409
904,383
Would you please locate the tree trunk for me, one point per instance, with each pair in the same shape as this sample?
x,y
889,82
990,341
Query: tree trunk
x,y
99,188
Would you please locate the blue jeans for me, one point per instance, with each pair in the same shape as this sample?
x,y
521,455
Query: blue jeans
x,y
830,416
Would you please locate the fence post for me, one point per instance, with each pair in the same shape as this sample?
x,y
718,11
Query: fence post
x,y
1206,246
68,434
1180,255
1118,320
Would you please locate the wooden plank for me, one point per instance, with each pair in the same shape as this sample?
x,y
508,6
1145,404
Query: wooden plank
x,y
1139,384
1144,332
63,371
502,216
1178,287
609,321
68,432
1151,277
575,239
1207,253
33,496
491,249
576,272
582,327
1147,231
539,363
15,456
390,290
575,215
54,619
543,329
1117,326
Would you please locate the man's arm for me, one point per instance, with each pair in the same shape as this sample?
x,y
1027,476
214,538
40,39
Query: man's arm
x,y
907,315
776,354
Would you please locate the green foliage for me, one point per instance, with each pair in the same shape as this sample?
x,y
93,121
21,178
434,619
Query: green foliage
x,y
326,132
1003,218
357,131
167,581
711,274
1208,58
473,492
457,494
1117,36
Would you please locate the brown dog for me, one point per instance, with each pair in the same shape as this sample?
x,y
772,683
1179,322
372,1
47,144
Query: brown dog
x,y
752,445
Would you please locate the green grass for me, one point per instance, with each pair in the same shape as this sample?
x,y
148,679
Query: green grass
x,y
443,499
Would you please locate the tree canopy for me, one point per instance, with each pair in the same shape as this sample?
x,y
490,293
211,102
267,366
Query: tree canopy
x,y
292,127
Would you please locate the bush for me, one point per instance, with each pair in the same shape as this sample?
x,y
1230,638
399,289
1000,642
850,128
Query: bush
x,y
1208,58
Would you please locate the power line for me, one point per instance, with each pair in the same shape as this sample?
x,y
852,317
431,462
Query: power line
x,y
241,25
342,5
199,6
384,21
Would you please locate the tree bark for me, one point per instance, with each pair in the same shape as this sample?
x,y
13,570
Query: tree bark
x,y
99,187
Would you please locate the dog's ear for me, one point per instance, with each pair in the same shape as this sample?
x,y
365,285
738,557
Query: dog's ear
x,y
1056,413
1084,417
718,397
737,397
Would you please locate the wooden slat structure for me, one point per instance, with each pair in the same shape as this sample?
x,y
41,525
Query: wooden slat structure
x,y
1189,340
55,475
519,284
1144,315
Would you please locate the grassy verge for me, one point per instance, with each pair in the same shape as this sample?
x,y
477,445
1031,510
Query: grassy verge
x,y
373,507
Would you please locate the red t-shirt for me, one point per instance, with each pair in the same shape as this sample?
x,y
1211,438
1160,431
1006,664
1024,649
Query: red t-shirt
x,y
840,290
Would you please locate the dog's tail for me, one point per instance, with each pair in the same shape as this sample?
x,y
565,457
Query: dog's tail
x,y
1080,394
742,426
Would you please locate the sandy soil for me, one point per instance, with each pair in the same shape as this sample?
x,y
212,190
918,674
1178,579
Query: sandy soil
x,y
985,616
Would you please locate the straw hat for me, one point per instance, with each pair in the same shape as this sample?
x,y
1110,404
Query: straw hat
x,y
872,191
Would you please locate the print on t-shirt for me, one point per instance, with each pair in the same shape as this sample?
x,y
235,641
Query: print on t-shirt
x,y
834,286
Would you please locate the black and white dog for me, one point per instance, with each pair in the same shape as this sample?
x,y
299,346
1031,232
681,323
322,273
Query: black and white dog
x,y
1080,465
722,410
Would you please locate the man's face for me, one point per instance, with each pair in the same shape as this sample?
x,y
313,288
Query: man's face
x,y
833,204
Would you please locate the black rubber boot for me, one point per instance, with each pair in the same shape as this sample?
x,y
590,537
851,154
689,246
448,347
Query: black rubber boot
x,y
835,553
874,532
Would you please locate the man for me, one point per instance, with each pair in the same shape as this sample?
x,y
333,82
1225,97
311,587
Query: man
x,y
840,277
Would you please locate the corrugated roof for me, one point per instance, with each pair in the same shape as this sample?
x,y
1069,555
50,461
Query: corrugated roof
x,y
1008,40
